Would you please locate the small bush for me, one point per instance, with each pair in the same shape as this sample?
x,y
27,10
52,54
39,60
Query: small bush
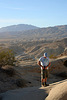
x,y
6,57
10,72
52,56
20,83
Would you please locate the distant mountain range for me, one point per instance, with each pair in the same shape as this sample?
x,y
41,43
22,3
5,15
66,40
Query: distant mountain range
x,y
19,27
29,32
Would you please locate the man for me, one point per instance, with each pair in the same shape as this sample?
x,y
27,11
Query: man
x,y
44,63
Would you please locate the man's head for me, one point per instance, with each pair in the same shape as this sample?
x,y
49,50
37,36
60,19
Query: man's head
x,y
45,54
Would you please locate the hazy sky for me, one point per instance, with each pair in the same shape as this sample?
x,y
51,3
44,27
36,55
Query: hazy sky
x,y
41,13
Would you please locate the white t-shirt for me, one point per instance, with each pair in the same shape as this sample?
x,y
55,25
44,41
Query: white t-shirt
x,y
44,61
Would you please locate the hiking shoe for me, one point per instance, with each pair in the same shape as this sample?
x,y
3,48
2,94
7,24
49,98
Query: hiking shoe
x,y
46,84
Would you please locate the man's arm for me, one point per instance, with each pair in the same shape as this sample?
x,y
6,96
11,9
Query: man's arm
x,y
40,64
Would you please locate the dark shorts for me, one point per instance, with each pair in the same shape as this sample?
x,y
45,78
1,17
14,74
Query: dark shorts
x,y
45,73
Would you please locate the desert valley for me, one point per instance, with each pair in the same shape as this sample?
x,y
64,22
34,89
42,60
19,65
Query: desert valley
x,y
28,44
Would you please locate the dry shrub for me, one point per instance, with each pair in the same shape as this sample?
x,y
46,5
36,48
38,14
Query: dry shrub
x,y
6,57
20,83
52,56
9,70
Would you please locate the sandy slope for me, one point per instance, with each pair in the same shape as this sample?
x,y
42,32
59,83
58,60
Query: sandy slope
x,y
57,91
